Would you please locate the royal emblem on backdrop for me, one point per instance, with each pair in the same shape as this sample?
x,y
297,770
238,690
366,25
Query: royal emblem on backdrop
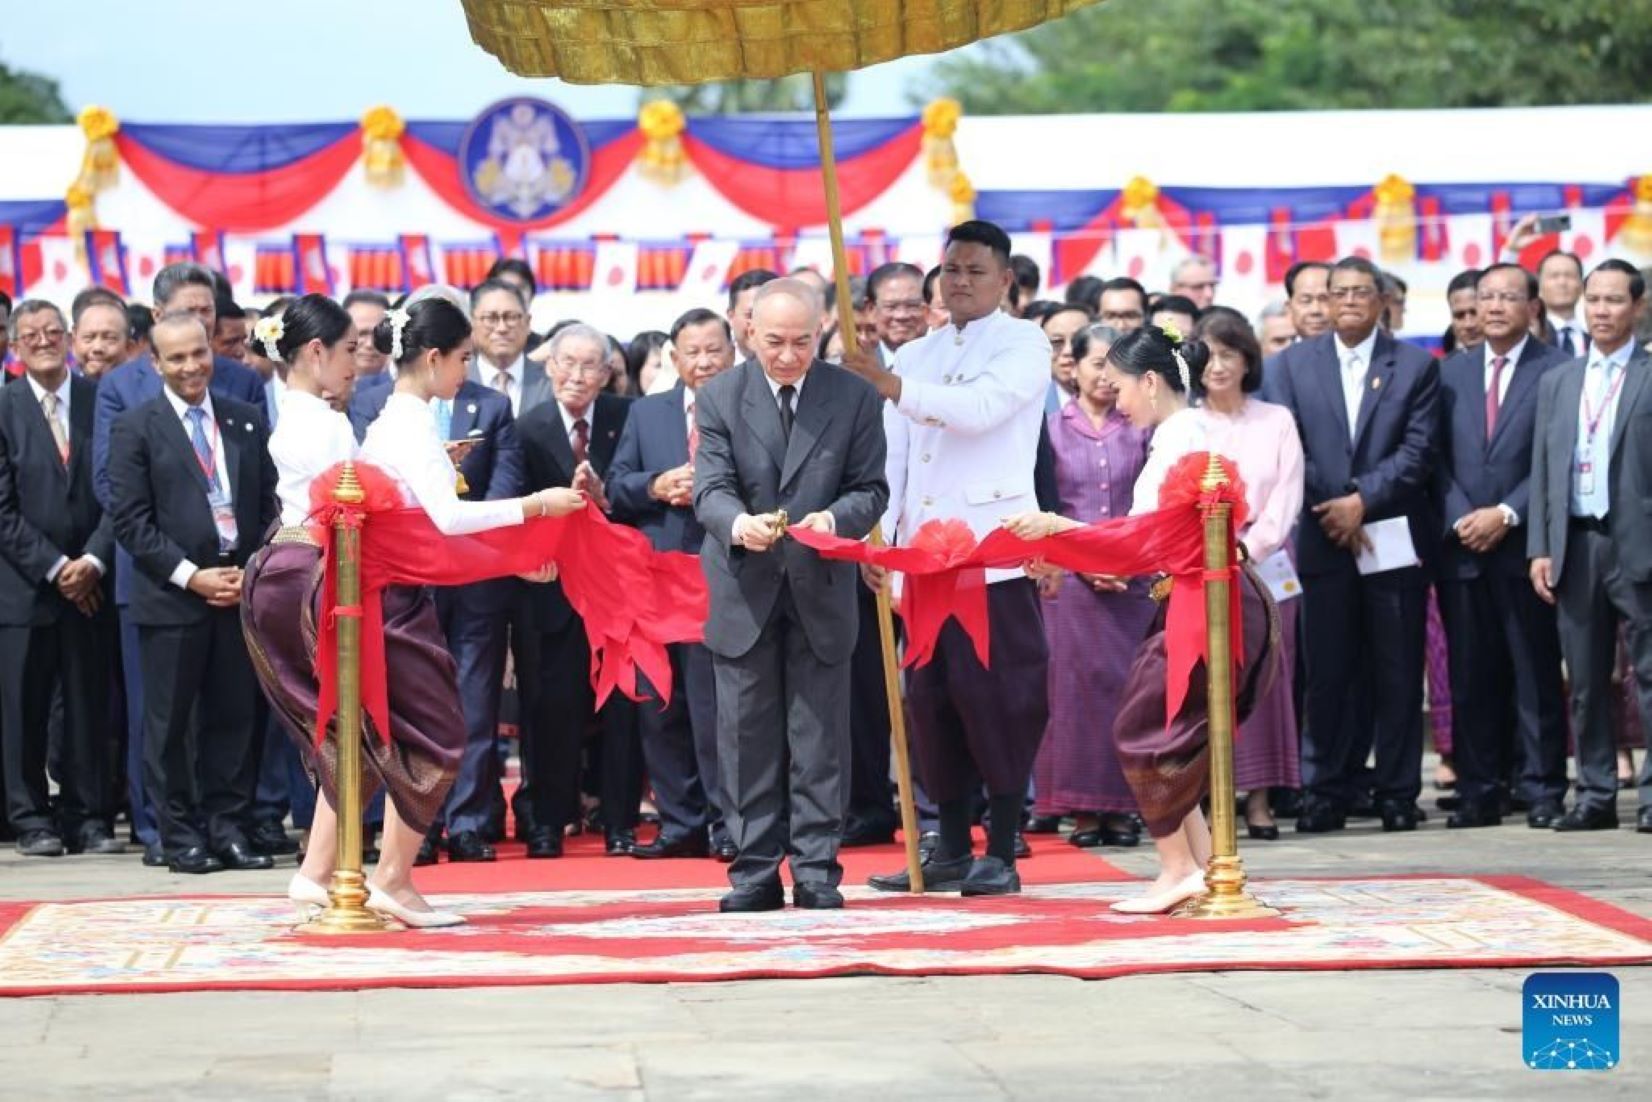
x,y
524,159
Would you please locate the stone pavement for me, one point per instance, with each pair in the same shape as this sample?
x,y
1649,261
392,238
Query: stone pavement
x,y
1366,1035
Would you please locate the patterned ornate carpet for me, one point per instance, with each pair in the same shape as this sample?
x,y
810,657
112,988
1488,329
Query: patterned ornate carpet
x,y
545,932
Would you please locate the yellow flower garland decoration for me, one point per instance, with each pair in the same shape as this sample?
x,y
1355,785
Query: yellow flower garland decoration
x,y
1637,228
662,159
382,157
1139,204
100,164
1396,217
940,123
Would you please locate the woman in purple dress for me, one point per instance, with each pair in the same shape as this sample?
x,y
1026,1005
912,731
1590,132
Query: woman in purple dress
x,y
1094,623
430,345
1168,763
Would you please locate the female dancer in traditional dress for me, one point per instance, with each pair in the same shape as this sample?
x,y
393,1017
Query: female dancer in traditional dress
x,y
430,346
1167,765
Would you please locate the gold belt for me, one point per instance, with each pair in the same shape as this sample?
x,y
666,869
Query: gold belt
x,y
294,533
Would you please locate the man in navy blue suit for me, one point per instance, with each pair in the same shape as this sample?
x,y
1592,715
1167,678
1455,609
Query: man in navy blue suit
x,y
651,486
473,616
1506,692
1368,408
178,288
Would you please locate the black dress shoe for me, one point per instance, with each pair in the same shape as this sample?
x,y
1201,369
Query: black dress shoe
x,y
1262,833
1398,815
991,876
1320,817
467,845
1470,815
544,843
1544,814
1022,849
1089,838
619,843
1643,821
430,852
749,898
868,834
94,838
939,876
270,840
240,857
1120,830
154,857
684,845
40,843
196,860
1044,824
1582,818
816,897
927,841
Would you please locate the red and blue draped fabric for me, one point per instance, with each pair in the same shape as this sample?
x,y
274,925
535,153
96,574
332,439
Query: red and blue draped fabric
x,y
11,262
1303,219
432,148
240,178
106,261
770,168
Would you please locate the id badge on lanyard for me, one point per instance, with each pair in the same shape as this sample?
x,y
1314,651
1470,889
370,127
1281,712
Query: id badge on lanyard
x,y
1583,470
219,501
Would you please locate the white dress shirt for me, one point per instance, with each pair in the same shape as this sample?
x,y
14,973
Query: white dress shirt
x,y
1572,325
63,398
309,439
513,381
963,439
1592,496
1356,362
185,570
403,443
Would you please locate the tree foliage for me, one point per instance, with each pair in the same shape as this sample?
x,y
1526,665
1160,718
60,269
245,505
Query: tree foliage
x,y
27,97
741,97
1276,55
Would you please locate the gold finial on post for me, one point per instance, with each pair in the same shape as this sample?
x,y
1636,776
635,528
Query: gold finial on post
x,y
1225,895
347,911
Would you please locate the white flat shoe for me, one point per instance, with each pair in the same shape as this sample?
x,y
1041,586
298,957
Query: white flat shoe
x,y
380,903
306,895
1165,901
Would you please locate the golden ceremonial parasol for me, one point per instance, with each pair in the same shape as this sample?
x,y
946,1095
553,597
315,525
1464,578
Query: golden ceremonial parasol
x,y
674,42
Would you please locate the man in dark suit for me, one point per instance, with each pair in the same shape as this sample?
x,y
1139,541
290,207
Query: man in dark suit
x,y
651,485
56,623
783,433
473,616
1506,693
192,490
182,288
570,441
1368,408
1590,537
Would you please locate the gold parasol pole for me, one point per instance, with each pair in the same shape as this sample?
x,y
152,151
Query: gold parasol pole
x,y
347,911
886,621
1225,895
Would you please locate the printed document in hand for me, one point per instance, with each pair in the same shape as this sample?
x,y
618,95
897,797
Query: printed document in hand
x,y
1279,575
1391,547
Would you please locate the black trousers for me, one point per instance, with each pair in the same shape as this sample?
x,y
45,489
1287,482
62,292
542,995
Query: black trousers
x,y
201,775
563,708
869,790
679,745
1508,704
69,659
1361,632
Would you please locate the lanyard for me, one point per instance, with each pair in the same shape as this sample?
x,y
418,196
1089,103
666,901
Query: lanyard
x,y
1591,421
209,463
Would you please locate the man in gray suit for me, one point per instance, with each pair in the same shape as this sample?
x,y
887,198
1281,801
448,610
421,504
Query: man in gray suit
x,y
1591,533
784,433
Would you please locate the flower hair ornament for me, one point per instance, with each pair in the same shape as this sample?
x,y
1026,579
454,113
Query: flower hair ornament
x,y
268,332
1174,335
398,322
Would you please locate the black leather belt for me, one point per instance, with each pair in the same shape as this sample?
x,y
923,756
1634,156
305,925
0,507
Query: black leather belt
x,y
1599,525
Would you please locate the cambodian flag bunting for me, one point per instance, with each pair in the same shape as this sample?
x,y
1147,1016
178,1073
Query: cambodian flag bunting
x,y
315,275
106,260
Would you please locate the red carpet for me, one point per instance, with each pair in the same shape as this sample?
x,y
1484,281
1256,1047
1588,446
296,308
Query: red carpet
x,y
593,919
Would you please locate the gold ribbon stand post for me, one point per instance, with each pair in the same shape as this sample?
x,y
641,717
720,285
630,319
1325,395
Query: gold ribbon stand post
x,y
1225,895
347,911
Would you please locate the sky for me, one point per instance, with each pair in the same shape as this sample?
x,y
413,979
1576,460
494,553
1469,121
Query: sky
x,y
313,60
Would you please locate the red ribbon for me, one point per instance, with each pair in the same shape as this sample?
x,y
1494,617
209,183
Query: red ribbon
x,y
944,568
633,600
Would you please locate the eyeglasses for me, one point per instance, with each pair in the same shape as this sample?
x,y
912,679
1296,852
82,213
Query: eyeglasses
x,y
582,370
1121,317
1512,298
50,335
1357,294
501,321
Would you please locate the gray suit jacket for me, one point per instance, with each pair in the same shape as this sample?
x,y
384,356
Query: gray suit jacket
x,y
834,462
1629,475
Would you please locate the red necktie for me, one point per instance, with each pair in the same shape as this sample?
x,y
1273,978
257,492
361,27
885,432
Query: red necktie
x,y
1494,404
693,435
581,440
